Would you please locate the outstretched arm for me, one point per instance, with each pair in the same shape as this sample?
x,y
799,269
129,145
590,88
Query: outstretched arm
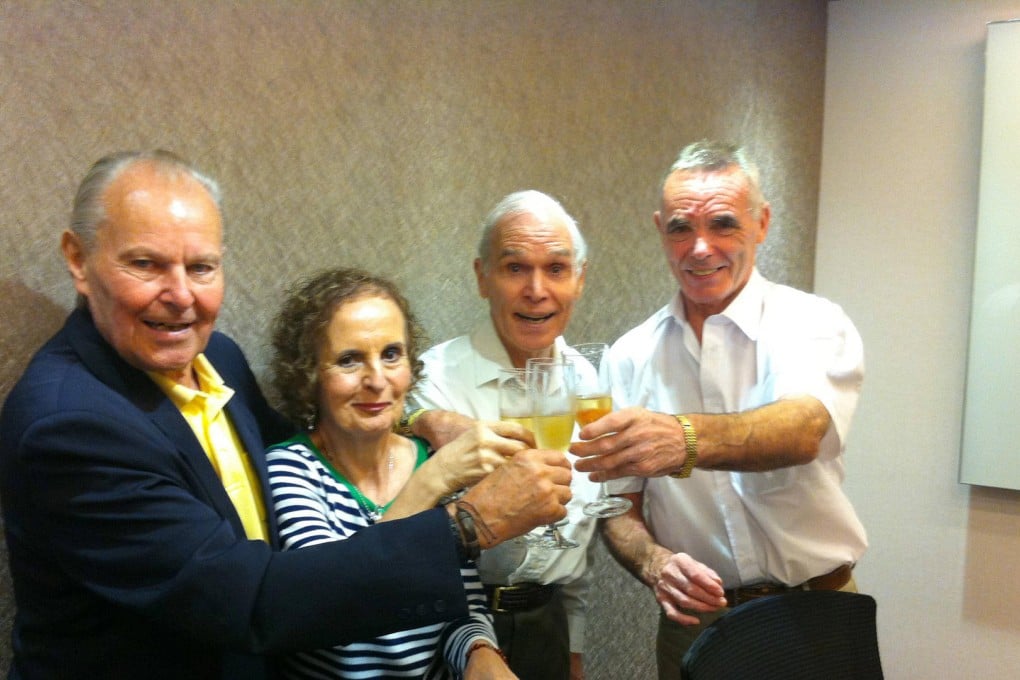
x,y
465,461
639,442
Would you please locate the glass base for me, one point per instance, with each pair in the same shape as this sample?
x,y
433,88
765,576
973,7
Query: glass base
x,y
609,506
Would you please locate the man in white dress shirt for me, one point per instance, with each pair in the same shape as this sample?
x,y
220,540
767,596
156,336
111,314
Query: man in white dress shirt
x,y
740,494
530,267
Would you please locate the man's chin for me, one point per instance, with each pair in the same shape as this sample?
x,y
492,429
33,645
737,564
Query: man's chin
x,y
172,364
536,344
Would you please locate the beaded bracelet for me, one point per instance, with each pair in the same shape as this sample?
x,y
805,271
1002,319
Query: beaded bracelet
x,y
478,644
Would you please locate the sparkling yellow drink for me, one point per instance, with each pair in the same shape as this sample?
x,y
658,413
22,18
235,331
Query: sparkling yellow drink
x,y
553,431
525,421
593,407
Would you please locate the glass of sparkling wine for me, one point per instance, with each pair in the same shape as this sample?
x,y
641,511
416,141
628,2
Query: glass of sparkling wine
x,y
514,400
551,390
514,403
594,400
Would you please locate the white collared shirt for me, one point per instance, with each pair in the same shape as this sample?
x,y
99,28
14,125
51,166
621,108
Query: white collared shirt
x,y
462,375
773,341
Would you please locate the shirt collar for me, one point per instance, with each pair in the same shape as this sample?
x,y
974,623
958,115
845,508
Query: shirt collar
x,y
211,387
744,311
490,355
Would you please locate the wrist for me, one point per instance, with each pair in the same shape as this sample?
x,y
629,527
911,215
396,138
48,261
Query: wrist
x,y
465,529
479,645
470,500
651,568
406,423
690,449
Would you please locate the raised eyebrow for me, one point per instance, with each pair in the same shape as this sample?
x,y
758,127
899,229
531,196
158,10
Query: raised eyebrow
x,y
677,222
509,252
726,220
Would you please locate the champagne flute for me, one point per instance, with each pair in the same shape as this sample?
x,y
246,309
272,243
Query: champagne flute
x,y
514,400
594,400
551,389
514,405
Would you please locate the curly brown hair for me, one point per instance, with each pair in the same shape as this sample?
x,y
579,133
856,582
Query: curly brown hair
x,y
299,330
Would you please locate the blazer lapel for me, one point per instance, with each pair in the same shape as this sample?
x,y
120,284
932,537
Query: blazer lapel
x,y
167,418
104,362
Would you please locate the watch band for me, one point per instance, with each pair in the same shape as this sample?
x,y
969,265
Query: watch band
x,y
403,426
690,447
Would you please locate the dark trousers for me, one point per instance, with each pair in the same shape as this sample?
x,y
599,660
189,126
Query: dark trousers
x,y
536,642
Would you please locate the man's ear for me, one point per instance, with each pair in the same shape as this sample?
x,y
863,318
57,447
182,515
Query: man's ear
x,y
76,259
763,221
483,283
580,279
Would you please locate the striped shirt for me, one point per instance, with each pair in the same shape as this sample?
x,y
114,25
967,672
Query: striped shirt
x,y
315,504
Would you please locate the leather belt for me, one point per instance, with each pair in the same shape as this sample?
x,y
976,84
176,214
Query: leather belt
x,y
834,580
520,597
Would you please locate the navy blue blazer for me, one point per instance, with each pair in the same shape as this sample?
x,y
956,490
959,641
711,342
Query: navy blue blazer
x,y
128,558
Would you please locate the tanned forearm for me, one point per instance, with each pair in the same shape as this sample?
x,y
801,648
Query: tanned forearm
x,y
781,434
631,543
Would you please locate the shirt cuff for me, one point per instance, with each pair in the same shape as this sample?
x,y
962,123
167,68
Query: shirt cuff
x,y
625,485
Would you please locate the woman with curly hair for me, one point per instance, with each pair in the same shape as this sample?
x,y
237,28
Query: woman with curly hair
x,y
346,354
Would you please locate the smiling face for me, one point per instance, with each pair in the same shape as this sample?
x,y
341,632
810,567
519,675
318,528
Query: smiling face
x,y
531,281
364,371
710,236
153,279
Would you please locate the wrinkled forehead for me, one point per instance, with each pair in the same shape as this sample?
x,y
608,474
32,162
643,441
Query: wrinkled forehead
x,y
699,188
525,230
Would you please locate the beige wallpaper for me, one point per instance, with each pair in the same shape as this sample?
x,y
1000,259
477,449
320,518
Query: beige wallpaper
x,y
379,134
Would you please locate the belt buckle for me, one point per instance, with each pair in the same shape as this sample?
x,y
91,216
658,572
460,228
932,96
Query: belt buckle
x,y
497,593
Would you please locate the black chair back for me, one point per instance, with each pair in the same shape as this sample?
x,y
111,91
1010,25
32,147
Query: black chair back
x,y
809,635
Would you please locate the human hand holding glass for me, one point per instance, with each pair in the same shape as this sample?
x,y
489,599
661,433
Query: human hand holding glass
x,y
594,400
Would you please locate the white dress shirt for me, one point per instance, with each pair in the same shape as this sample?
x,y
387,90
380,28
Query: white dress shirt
x,y
461,375
786,525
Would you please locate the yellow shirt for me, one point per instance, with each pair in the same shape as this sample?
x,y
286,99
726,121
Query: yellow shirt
x,y
203,409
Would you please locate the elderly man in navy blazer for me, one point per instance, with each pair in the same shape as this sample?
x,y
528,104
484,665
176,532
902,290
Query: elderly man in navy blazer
x,y
133,483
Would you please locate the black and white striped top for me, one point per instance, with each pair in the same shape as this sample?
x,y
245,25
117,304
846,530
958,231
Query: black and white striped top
x,y
314,504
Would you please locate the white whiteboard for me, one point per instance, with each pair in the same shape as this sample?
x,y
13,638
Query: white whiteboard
x,y
991,420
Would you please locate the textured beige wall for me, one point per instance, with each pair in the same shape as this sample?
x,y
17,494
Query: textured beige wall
x,y
379,133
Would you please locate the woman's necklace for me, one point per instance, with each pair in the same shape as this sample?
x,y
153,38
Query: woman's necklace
x,y
370,510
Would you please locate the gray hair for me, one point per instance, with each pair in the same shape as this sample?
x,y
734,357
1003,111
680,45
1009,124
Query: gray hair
x,y
540,205
88,211
711,156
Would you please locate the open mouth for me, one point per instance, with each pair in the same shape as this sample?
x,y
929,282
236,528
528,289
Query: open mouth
x,y
703,272
167,327
534,319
